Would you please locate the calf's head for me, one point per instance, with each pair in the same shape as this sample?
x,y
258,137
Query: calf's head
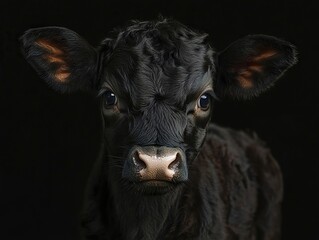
x,y
157,82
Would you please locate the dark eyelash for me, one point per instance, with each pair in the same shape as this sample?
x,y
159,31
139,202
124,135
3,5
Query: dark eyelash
x,y
212,94
102,91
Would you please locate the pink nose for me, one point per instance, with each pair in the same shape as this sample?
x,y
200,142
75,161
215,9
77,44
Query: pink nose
x,y
157,163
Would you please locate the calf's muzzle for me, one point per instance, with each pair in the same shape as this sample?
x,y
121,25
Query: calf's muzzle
x,y
157,163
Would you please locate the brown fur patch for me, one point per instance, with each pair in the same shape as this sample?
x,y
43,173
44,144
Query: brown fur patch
x,y
255,68
52,48
55,55
264,56
245,80
55,59
62,74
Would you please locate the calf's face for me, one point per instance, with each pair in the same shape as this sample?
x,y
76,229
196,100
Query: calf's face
x,y
157,82
156,103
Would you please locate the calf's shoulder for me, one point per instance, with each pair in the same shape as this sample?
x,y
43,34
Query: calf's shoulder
x,y
249,181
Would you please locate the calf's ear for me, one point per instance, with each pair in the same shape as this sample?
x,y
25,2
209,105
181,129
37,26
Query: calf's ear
x,y
61,57
251,65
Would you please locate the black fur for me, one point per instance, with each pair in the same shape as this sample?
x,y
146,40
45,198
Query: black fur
x,y
158,71
239,56
79,56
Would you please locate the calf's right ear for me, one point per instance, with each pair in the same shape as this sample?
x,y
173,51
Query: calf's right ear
x,y
61,57
251,65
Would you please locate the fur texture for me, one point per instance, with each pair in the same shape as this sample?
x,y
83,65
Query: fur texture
x,y
157,73
234,192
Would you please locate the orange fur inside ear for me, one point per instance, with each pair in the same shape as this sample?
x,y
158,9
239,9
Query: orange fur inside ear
x,y
245,80
245,77
62,74
264,56
55,55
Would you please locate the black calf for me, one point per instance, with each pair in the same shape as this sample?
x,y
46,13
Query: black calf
x,y
164,172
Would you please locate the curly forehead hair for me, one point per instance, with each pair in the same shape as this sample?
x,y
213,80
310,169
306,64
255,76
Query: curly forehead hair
x,y
161,40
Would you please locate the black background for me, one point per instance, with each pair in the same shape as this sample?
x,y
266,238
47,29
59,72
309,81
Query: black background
x,y
49,141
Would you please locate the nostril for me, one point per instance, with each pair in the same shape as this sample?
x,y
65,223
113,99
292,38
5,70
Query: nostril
x,y
139,163
174,165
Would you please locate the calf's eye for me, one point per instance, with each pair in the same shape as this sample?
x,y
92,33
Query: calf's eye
x,y
110,99
203,102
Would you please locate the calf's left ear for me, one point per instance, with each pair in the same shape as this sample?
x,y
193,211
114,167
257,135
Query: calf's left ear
x,y
251,65
61,57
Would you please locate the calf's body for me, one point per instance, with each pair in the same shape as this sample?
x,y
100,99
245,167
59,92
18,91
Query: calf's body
x,y
234,192
164,171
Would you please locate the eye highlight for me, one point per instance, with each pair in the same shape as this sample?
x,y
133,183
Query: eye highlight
x,y
204,102
109,99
